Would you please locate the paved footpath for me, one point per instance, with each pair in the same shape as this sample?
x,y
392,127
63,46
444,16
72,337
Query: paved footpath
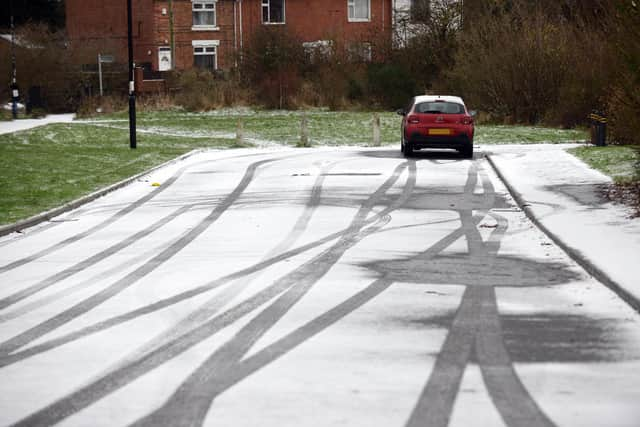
x,y
24,124
564,196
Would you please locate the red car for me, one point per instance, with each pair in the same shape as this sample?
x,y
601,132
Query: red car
x,y
437,122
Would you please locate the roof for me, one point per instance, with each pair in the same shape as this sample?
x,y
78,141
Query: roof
x,y
445,98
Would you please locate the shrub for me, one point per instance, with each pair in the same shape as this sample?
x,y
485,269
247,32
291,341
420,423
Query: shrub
x,y
92,106
201,90
624,97
43,60
511,67
391,84
272,65
155,102
428,41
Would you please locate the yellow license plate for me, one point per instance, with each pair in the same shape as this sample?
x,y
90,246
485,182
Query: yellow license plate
x,y
439,131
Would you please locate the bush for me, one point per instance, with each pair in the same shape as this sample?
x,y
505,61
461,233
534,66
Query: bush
x,y
530,64
428,42
43,60
155,102
624,97
272,65
92,106
391,84
201,90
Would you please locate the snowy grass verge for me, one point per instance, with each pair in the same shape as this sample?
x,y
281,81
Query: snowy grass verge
x,y
325,128
621,163
49,166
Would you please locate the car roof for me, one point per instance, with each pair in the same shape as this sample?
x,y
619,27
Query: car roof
x,y
445,98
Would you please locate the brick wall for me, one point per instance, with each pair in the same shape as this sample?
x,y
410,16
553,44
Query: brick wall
x,y
323,20
101,26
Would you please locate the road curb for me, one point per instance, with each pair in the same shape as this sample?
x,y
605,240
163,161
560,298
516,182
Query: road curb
x,y
48,215
573,253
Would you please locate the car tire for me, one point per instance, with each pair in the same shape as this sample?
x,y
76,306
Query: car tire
x,y
467,151
408,149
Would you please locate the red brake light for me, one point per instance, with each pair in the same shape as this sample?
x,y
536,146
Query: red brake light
x,y
467,120
413,119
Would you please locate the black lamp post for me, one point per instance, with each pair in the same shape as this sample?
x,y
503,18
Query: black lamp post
x,y
132,89
15,94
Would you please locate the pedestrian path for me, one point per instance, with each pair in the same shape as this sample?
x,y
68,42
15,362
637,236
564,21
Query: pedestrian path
x,y
564,196
24,124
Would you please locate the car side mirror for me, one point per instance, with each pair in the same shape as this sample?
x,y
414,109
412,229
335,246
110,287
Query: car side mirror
x,y
401,112
473,113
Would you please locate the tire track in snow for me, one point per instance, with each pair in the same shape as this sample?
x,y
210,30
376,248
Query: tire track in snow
x,y
88,304
476,326
115,217
294,285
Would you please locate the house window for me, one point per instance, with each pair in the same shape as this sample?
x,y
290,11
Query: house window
x,y
420,10
273,11
205,54
204,14
359,10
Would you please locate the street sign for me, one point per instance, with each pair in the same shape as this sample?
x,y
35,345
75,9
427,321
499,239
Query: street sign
x,y
105,59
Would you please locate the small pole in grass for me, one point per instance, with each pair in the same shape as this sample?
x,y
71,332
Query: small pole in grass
x,y
239,132
15,94
376,129
132,89
304,131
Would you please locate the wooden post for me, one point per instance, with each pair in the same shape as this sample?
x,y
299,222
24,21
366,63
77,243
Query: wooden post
x,y
376,129
304,132
240,132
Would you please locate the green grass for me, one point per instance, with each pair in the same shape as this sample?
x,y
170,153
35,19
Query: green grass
x,y
48,166
622,163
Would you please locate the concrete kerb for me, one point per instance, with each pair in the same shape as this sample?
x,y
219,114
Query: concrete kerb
x,y
573,253
48,215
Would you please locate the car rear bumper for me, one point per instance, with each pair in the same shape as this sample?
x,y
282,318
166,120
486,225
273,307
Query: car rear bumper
x,y
421,141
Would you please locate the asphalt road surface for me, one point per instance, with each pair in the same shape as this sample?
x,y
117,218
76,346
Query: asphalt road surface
x,y
327,287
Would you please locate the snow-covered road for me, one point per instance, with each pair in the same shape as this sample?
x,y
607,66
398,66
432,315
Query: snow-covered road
x,y
319,287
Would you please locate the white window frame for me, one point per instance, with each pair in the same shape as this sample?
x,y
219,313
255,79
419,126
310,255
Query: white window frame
x,y
206,45
351,11
213,10
267,4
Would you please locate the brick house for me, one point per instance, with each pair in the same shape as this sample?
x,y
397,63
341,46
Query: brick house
x,y
211,34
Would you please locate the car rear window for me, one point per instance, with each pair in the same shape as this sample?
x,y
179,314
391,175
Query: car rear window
x,y
439,107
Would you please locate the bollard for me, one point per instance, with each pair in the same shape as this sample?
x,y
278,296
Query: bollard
x,y
304,132
598,128
602,133
376,129
240,133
